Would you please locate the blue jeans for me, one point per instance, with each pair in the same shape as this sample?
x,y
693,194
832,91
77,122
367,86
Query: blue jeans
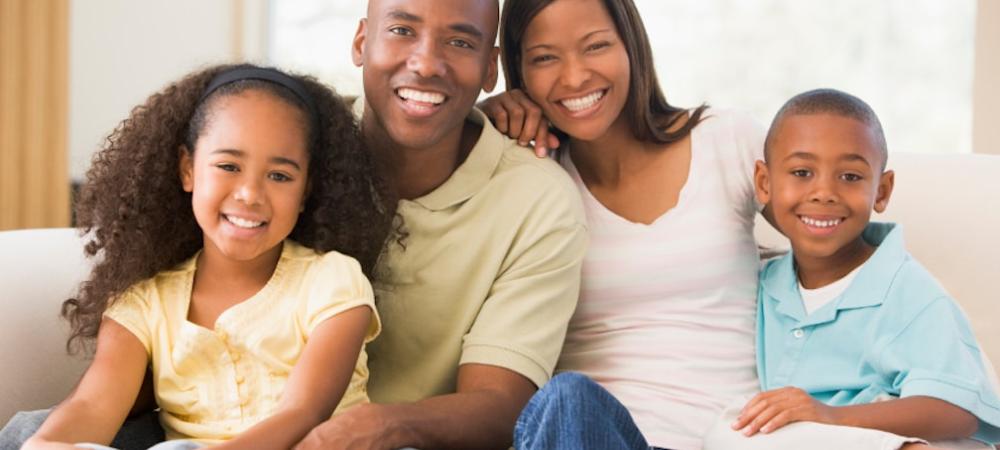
x,y
573,412
137,433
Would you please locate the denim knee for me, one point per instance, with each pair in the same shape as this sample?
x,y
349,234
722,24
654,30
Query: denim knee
x,y
571,384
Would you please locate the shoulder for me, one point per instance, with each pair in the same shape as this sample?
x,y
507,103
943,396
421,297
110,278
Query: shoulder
x,y
331,266
523,181
914,287
916,300
152,289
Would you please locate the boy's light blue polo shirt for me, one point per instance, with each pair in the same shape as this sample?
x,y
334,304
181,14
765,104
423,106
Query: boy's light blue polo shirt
x,y
894,331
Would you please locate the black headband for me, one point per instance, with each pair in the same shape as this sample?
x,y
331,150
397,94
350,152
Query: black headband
x,y
275,76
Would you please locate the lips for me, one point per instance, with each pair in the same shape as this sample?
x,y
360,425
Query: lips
x,y
821,222
244,223
418,96
578,104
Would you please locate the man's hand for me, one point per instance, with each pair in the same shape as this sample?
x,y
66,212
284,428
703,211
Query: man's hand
x,y
771,410
480,415
362,427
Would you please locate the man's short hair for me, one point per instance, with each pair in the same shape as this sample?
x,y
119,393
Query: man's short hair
x,y
830,101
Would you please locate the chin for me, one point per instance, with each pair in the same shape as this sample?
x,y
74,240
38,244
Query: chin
x,y
583,132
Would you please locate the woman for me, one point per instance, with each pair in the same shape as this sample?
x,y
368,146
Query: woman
x,y
666,315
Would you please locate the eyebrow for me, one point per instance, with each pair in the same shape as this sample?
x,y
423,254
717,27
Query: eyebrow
x,y
813,157
274,159
584,38
465,28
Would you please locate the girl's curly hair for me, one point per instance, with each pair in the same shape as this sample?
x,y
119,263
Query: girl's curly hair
x,y
138,220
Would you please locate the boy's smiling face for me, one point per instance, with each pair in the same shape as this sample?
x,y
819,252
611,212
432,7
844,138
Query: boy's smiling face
x,y
822,179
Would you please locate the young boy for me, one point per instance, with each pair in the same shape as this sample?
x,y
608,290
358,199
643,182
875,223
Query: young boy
x,y
851,330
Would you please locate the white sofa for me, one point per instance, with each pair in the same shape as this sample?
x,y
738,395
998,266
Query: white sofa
x,y
949,206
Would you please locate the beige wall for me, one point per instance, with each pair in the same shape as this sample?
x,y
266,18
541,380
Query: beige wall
x,y
122,51
986,87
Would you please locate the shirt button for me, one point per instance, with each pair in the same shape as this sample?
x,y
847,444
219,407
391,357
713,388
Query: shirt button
x,y
240,379
798,333
235,356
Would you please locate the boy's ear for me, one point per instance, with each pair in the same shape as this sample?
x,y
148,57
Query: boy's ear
x,y
358,46
186,168
885,185
762,182
490,82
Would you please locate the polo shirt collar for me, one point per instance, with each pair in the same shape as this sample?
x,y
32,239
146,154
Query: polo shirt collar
x,y
472,175
869,287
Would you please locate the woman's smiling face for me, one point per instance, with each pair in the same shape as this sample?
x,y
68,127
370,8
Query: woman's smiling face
x,y
576,67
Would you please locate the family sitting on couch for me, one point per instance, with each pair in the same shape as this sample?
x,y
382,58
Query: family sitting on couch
x,y
289,269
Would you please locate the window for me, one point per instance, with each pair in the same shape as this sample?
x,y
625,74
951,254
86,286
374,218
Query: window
x,y
912,60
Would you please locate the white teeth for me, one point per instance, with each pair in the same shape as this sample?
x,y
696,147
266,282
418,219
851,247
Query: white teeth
x,y
582,103
434,98
820,223
243,223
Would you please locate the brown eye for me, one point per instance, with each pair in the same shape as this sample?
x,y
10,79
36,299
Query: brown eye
x,y
401,31
279,177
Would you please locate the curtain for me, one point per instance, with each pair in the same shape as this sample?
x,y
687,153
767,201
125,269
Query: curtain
x,y
34,60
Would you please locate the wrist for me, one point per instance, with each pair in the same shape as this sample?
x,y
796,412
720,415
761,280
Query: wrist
x,y
837,415
394,420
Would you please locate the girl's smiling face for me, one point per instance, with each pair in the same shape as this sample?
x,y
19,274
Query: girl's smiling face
x,y
576,67
247,174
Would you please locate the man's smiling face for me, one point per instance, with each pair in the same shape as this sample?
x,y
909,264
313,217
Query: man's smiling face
x,y
424,64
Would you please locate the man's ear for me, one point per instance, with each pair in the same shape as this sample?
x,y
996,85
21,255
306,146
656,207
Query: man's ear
x,y
885,184
492,71
186,168
762,182
358,46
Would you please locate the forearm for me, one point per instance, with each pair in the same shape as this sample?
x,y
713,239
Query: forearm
x,y
923,417
468,420
73,422
280,431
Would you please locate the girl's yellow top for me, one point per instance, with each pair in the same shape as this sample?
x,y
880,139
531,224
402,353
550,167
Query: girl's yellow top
x,y
213,384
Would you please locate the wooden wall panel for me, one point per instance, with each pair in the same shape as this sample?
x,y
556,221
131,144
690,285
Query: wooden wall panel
x,y
34,55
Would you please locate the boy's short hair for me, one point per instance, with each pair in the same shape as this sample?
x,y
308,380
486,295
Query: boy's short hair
x,y
830,101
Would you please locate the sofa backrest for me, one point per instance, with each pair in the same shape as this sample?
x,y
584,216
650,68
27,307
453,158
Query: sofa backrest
x,y
949,206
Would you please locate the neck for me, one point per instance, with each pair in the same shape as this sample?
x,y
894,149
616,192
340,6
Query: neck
x,y
418,171
605,161
213,265
816,272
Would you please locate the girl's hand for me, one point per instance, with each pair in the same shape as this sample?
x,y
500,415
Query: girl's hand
x,y
771,410
517,116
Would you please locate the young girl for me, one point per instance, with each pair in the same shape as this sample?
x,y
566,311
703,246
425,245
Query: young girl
x,y
214,210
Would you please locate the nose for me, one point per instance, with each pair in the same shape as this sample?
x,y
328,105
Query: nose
x,y
574,73
824,190
248,192
426,60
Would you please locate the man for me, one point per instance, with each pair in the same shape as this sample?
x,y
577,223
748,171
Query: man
x,y
476,299
476,294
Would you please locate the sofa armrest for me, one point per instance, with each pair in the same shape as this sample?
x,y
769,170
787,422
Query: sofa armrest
x,y
39,269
